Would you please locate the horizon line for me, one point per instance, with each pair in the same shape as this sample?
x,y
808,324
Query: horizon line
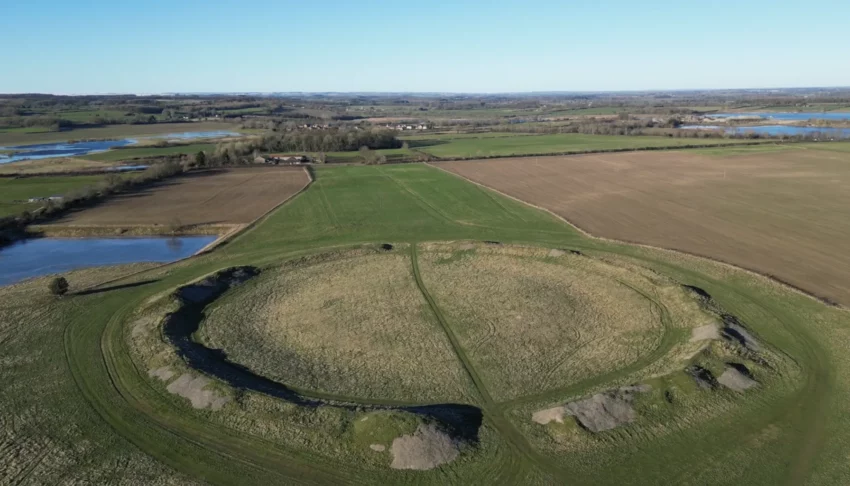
x,y
453,93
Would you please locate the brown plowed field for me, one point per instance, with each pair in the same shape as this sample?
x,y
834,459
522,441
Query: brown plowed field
x,y
231,196
785,214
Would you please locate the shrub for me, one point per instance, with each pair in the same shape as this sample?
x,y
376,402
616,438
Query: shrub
x,y
58,286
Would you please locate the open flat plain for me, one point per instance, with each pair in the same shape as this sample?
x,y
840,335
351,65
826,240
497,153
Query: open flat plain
x,y
780,212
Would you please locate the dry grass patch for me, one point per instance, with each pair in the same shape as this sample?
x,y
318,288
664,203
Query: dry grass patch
x,y
532,323
348,326
51,166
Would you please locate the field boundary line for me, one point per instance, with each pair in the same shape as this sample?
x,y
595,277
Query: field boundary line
x,y
227,237
650,148
772,278
251,225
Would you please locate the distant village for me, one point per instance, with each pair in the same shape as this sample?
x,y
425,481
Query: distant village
x,y
399,127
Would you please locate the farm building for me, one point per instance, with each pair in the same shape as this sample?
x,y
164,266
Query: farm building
x,y
45,199
283,159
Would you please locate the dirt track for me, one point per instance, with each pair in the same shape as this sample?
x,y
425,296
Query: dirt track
x,y
781,214
232,196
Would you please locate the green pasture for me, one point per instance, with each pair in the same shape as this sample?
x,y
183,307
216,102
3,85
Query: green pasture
x,y
15,191
140,152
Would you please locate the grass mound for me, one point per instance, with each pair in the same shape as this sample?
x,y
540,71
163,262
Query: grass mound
x,y
534,320
350,324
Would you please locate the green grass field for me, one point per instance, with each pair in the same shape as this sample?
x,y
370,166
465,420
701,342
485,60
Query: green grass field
x,y
12,191
461,135
89,116
392,155
553,144
140,152
75,389
22,130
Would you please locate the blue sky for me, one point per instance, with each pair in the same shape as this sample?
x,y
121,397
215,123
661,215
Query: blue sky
x,y
153,46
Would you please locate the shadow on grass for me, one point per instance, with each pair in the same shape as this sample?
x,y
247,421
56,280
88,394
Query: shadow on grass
x,y
425,143
116,287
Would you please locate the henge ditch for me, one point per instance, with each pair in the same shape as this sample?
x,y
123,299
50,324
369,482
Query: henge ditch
x,y
460,420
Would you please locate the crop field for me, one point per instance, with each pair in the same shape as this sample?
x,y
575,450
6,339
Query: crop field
x,y
400,325
14,192
780,213
140,152
469,148
11,138
221,197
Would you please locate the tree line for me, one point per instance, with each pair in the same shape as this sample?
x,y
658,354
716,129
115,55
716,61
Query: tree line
x,y
303,141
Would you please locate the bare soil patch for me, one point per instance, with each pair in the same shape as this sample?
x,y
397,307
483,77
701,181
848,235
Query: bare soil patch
x,y
736,380
426,449
598,413
194,389
215,197
707,332
781,214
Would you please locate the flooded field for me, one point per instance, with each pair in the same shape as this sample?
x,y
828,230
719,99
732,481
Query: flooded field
x,y
46,256
776,130
76,149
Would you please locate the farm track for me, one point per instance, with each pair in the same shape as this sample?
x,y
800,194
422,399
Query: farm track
x,y
493,411
124,405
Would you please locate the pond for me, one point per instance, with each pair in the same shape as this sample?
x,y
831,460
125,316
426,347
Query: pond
x,y
45,256
76,149
777,130
194,135
802,116
61,149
